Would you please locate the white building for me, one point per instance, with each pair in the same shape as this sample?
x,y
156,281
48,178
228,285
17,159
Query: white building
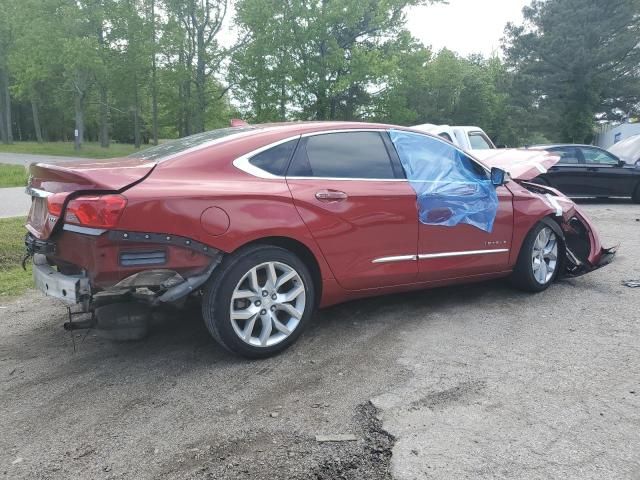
x,y
610,134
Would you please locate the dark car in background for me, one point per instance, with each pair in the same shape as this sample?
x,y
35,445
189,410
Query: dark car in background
x,y
588,171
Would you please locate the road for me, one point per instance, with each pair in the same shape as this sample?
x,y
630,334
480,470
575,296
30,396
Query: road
x,y
27,159
481,382
13,201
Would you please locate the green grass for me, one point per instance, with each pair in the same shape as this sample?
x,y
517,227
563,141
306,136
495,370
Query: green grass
x,y
13,176
65,149
13,279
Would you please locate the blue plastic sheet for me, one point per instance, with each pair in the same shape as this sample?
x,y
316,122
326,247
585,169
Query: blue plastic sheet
x,y
451,188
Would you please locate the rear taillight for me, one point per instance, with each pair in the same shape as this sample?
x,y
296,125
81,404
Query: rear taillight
x,y
101,211
55,203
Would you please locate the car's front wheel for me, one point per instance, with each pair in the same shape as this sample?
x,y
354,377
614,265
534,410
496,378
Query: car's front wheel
x,y
539,259
259,301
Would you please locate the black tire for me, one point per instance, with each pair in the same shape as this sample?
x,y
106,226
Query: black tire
x,y
219,290
523,274
636,194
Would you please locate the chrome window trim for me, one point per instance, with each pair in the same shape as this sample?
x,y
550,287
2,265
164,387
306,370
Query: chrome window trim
x,y
36,192
427,256
242,163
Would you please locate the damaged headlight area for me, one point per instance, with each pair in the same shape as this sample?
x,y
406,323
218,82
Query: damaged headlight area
x,y
578,246
583,251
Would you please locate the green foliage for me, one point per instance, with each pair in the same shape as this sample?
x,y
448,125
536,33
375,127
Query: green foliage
x,y
65,149
576,59
124,69
13,279
316,60
13,176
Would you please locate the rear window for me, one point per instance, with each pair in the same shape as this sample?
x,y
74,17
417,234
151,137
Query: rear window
x,y
161,152
276,159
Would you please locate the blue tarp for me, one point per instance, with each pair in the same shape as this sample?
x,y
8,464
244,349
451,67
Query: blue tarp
x,y
451,188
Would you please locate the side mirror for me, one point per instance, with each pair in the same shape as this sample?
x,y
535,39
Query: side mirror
x,y
501,146
498,176
621,163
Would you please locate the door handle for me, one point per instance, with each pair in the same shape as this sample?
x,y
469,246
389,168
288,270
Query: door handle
x,y
592,169
331,196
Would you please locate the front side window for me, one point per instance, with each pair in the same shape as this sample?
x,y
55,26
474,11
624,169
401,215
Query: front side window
x,y
479,141
598,157
276,159
568,155
450,186
342,155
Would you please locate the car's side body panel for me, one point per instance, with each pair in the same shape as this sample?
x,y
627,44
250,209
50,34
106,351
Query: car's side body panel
x,y
362,234
464,250
201,196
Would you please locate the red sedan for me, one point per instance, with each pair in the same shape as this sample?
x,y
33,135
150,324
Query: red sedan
x,y
267,222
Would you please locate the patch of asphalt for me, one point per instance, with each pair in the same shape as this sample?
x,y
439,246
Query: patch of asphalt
x,y
14,202
177,406
474,382
508,385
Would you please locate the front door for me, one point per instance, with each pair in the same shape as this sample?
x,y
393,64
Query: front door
x,y
358,207
466,224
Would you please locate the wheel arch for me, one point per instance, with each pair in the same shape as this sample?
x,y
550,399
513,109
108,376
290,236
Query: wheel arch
x,y
302,251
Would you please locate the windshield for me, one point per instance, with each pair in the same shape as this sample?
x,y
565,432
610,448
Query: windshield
x,y
164,150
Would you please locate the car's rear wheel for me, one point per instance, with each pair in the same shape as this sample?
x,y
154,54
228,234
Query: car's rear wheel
x,y
539,259
259,301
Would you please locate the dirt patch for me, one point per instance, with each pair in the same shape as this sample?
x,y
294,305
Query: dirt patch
x,y
291,456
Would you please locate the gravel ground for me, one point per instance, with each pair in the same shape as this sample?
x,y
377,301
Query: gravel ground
x,y
480,382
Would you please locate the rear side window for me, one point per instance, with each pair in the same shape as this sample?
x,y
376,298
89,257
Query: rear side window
x,y
446,136
276,159
343,155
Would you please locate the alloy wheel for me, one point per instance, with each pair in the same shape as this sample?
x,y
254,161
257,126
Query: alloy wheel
x,y
544,256
267,304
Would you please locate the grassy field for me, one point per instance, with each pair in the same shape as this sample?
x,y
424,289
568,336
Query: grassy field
x,y
13,279
13,176
65,149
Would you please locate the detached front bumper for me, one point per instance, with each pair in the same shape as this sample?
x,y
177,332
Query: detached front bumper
x,y
71,289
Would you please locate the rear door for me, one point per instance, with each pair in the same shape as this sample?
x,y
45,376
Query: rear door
x,y
567,174
351,194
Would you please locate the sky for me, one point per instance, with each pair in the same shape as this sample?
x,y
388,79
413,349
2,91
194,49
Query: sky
x,y
465,26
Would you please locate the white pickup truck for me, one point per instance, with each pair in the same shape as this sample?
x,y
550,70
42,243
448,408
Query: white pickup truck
x,y
470,139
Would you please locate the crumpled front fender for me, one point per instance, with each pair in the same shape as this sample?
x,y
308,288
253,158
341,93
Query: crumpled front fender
x,y
584,250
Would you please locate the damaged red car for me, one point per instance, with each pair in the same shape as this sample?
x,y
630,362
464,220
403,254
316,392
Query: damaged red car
x,y
265,223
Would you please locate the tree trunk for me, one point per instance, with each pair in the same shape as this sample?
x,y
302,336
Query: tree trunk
x,y
104,117
36,119
4,81
79,111
136,116
154,82
201,81
3,132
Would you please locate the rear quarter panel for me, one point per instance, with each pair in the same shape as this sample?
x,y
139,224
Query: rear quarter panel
x,y
174,199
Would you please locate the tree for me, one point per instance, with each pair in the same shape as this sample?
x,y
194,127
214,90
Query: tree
x,y
576,59
7,38
317,59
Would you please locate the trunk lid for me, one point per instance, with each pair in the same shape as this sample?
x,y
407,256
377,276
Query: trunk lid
x,y
65,178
